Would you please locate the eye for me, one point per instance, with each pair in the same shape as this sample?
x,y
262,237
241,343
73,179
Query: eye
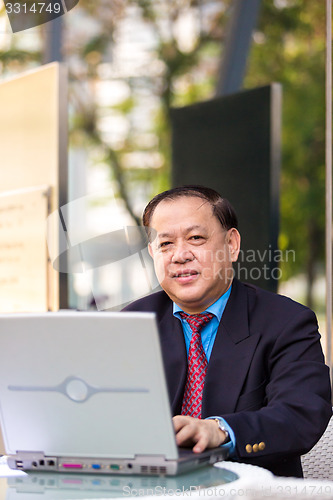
x,y
164,244
196,237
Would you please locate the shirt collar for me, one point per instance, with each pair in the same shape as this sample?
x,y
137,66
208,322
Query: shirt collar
x,y
217,308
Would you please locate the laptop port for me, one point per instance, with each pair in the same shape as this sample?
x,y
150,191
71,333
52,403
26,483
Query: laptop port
x,y
42,463
114,467
95,466
34,464
19,464
51,463
72,466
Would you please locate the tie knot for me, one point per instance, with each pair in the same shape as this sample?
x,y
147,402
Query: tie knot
x,y
197,321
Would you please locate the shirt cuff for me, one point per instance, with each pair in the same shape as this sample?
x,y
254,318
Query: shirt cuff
x,y
230,445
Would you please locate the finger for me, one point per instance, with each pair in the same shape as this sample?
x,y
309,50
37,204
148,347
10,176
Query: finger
x,y
202,443
180,421
186,435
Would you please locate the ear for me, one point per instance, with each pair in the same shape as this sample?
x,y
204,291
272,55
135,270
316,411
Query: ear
x,y
233,240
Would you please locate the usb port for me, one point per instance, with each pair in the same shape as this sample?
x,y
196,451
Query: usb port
x,y
19,464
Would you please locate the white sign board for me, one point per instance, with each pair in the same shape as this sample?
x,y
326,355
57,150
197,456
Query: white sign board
x,y
23,250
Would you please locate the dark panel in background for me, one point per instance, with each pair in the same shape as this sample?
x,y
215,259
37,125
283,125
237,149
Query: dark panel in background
x,y
232,144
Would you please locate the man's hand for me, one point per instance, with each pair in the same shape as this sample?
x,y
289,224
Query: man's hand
x,y
200,433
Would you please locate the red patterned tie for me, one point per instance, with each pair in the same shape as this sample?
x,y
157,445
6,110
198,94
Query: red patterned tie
x,y
197,365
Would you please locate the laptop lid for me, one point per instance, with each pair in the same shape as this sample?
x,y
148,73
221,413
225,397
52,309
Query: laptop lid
x,y
84,385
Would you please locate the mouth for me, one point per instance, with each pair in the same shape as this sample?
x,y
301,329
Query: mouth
x,y
186,274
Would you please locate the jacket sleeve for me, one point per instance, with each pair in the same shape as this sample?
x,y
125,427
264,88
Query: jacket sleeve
x,y
297,398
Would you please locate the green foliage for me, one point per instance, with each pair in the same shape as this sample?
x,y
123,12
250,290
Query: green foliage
x,y
14,57
289,47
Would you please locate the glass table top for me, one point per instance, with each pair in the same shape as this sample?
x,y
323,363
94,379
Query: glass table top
x,y
53,486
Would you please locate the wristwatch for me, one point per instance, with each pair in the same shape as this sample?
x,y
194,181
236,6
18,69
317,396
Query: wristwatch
x,y
223,428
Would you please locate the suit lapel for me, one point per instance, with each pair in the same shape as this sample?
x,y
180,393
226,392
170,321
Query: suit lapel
x,y
174,356
231,356
230,360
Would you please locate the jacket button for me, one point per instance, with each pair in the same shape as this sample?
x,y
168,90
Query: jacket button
x,y
262,446
255,447
248,448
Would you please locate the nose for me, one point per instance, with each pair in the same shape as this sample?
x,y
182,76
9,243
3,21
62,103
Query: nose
x,y
181,254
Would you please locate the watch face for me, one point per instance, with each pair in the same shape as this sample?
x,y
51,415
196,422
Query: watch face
x,y
227,437
219,423
222,428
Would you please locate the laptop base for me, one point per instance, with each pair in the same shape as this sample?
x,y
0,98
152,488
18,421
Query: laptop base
x,y
143,465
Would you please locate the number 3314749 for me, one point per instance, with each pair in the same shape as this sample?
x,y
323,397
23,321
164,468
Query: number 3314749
x,y
33,8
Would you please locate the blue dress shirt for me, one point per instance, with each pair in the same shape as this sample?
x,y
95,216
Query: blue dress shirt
x,y
208,335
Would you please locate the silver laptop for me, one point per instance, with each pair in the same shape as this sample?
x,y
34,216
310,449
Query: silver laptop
x,y
86,392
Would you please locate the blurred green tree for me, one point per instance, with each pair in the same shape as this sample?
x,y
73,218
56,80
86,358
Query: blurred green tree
x,y
180,69
289,47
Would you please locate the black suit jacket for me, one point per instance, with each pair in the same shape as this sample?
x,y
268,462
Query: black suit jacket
x,y
266,376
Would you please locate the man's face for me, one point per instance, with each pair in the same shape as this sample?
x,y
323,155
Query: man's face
x,y
192,253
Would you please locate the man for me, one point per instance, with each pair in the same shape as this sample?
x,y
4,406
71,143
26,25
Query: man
x,y
244,367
